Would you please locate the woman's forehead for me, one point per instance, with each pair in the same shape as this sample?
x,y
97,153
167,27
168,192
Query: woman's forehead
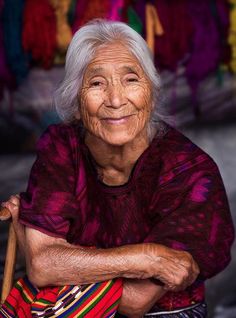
x,y
113,54
94,69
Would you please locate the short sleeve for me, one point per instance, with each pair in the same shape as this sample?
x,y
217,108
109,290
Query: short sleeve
x,y
193,215
50,197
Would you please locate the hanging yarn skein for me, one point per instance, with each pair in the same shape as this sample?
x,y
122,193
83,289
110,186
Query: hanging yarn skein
x,y
221,10
232,35
133,20
71,12
174,44
39,31
205,53
6,78
153,26
64,33
94,9
80,8
116,9
12,18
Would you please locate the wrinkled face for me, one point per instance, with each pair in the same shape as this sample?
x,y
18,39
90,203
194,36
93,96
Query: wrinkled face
x,y
116,96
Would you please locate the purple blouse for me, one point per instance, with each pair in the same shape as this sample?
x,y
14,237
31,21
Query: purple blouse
x,y
174,196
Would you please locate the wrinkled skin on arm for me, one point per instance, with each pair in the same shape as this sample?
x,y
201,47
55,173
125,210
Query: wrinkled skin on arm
x,y
57,262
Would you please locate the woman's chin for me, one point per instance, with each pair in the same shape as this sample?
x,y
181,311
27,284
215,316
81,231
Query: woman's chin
x,y
118,139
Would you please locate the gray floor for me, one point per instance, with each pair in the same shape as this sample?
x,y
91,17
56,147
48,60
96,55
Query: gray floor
x,y
220,142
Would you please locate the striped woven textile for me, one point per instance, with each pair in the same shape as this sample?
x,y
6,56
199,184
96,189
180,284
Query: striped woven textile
x,y
93,300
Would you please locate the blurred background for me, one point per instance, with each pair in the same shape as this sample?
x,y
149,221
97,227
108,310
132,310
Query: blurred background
x,y
194,48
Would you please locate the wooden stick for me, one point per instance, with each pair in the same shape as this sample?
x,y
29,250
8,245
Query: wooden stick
x,y
10,261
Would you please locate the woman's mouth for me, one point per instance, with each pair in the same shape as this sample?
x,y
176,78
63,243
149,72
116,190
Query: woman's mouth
x,y
117,121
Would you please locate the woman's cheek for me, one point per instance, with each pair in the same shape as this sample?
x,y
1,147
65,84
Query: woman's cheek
x,y
89,120
91,102
140,97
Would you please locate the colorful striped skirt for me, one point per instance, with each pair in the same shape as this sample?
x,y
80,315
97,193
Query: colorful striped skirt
x,y
93,300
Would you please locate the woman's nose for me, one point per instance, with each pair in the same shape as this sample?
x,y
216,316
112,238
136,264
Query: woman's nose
x,y
115,96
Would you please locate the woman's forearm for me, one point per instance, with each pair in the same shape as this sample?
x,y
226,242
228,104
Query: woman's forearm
x,y
60,264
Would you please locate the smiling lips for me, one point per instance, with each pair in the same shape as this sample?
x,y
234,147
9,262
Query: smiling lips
x,y
117,121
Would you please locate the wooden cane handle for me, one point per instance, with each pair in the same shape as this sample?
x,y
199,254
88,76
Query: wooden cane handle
x,y
10,262
5,214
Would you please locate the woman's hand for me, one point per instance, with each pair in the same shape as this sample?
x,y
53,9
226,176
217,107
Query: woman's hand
x,y
13,206
175,269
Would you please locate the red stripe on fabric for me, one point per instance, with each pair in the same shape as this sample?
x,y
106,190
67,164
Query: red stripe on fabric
x,y
108,299
21,307
114,303
24,314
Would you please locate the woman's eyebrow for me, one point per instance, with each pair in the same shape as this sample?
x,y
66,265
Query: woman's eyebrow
x,y
129,69
94,71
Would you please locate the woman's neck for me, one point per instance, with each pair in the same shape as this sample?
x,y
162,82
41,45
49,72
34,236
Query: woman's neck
x,y
115,163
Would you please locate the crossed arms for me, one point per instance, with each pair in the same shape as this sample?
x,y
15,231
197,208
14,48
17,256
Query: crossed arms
x,y
53,261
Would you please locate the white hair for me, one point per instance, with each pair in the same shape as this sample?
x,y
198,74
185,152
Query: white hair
x,y
82,50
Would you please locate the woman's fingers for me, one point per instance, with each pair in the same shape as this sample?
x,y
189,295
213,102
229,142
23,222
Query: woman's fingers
x,y
175,269
15,199
13,206
179,280
178,273
10,209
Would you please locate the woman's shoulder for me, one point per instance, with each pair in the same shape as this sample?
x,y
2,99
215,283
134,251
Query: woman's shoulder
x,y
174,141
177,150
61,133
60,142
61,130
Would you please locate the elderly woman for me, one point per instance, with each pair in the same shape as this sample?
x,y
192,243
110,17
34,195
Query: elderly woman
x,y
116,195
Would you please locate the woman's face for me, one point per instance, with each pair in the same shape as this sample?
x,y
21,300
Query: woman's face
x,y
116,96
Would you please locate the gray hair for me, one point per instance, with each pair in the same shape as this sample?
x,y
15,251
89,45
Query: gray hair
x,y
82,50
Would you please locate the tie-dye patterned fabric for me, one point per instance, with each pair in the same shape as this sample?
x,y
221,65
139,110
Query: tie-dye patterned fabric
x,y
175,197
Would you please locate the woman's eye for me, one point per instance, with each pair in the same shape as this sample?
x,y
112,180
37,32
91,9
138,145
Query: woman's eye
x,y
132,79
96,84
